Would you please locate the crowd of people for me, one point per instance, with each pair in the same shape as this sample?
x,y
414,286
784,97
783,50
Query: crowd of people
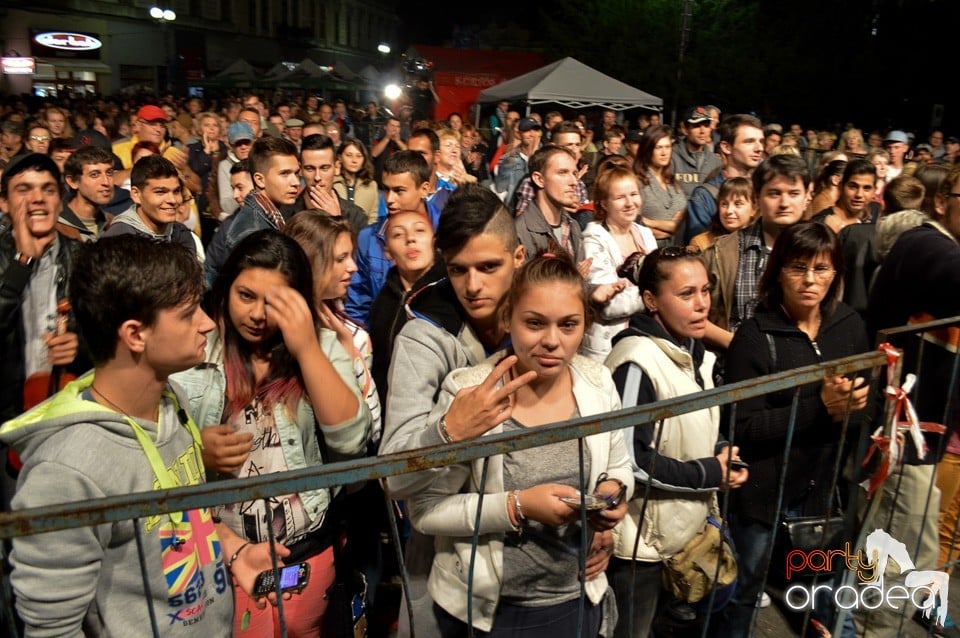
x,y
195,292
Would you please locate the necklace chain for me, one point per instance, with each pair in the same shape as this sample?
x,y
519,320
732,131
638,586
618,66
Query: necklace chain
x,y
93,388
113,405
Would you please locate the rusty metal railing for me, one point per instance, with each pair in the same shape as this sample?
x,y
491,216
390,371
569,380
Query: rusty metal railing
x,y
134,506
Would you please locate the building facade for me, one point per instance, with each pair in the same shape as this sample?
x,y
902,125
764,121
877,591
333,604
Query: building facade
x,y
137,51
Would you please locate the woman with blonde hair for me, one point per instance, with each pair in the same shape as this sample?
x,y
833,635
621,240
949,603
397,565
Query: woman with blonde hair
x,y
57,121
880,159
615,235
449,160
851,143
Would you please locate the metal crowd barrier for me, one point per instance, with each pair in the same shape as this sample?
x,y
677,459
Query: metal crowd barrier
x,y
134,506
916,340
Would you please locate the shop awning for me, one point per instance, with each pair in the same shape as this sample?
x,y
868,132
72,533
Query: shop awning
x,y
76,65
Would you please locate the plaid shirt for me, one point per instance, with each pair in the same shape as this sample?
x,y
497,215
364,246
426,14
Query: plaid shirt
x,y
753,259
525,194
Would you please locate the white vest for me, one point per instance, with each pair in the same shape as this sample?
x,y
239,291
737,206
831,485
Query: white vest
x,y
671,518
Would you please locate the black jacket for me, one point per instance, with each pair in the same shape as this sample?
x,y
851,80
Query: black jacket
x,y
920,281
13,280
388,316
761,422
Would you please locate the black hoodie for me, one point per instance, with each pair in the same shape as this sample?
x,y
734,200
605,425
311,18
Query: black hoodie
x,y
388,316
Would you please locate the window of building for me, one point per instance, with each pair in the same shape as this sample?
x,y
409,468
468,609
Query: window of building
x,y
210,10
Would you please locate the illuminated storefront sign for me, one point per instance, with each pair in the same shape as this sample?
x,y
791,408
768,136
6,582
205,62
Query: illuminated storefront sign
x,y
66,41
18,66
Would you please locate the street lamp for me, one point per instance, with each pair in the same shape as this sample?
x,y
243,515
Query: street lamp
x,y
165,16
383,48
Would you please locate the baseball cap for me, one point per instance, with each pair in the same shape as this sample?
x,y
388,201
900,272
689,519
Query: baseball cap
x,y
896,136
696,115
239,131
952,139
292,122
529,124
151,113
634,136
925,147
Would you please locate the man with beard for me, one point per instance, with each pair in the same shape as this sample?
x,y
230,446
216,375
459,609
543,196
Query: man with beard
x,y
546,222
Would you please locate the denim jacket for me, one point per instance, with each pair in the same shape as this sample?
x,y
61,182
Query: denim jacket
x,y
511,170
206,385
249,219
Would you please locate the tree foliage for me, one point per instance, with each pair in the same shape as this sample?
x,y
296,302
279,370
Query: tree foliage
x,y
818,60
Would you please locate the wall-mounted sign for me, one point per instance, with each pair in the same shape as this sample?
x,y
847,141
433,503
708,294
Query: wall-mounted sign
x,y
66,41
18,66
50,43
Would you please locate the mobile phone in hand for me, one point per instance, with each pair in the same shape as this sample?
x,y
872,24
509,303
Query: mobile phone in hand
x,y
293,578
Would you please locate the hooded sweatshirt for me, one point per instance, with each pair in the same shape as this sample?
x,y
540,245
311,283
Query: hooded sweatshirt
x,y
129,223
87,580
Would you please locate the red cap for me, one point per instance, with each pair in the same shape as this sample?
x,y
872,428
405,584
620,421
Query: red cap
x,y
151,113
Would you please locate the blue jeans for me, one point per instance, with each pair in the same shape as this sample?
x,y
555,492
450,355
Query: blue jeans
x,y
515,621
752,543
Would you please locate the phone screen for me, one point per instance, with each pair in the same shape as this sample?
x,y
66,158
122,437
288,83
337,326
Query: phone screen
x,y
289,576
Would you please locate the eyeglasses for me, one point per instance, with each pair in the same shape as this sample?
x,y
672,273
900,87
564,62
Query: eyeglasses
x,y
799,271
39,138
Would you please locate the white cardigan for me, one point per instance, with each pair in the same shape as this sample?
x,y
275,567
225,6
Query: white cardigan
x,y
447,509
598,244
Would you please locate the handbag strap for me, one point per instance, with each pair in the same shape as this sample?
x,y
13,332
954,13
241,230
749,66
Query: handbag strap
x,y
772,349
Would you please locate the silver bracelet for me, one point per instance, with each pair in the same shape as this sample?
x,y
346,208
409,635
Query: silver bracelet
x,y
442,428
516,503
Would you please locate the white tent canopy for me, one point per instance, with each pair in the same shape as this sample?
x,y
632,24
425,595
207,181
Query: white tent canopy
x,y
574,84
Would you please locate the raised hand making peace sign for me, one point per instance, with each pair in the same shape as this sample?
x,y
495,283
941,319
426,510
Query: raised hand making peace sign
x,y
480,408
